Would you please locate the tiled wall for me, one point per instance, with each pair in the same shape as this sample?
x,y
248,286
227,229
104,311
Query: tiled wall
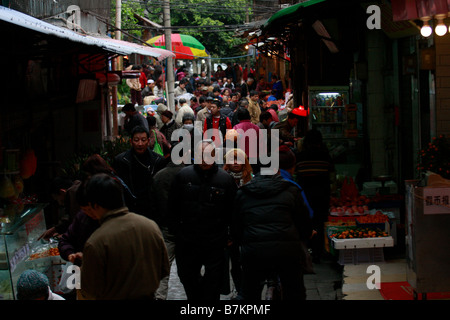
x,y
442,45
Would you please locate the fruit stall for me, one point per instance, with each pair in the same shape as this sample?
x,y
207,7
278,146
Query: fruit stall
x,y
359,226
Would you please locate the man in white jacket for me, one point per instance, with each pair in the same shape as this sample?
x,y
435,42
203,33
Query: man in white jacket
x,y
184,109
181,89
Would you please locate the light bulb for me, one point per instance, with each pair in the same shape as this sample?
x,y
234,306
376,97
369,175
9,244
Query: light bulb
x,y
441,29
426,30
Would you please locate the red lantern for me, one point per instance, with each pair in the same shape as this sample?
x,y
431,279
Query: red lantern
x,y
301,111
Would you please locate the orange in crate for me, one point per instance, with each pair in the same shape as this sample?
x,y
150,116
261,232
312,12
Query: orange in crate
x,y
378,217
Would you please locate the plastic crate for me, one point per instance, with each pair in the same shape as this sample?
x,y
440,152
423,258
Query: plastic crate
x,y
363,255
362,243
384,226
330,229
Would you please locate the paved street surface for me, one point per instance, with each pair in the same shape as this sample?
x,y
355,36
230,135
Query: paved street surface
x,y
176,290
324,285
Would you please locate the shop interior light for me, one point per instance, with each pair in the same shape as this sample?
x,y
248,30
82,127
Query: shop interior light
x,y
440,29
426,30
328,94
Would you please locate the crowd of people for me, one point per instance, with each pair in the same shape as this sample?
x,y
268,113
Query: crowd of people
x,y
129,220
230,85
214,103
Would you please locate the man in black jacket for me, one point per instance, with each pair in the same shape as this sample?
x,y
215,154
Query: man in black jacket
x,y
270,223
162,182
200,209
136,168
133,118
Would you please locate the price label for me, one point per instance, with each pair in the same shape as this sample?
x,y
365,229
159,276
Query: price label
x,y
18,256
436,200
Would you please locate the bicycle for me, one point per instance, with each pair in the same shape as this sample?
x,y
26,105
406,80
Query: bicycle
x,y
274,290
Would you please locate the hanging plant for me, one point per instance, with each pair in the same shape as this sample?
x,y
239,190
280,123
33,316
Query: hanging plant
x,y
436,157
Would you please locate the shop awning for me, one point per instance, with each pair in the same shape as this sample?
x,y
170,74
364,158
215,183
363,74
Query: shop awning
x,y
416,9
287,13
105,43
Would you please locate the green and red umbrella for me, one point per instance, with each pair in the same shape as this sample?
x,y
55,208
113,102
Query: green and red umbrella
x,y
184,46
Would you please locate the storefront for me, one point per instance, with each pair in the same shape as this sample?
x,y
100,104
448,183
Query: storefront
x,y
56,93
364,91
320,60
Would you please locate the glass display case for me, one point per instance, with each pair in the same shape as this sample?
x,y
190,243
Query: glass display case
x,y
328,110
337,119
21,226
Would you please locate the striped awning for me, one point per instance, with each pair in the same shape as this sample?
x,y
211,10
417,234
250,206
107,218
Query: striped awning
x,y
416,9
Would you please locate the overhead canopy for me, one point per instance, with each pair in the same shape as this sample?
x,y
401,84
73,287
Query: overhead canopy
x,y
287,13
107,44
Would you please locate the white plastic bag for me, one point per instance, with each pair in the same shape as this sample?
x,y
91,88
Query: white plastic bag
x,y
65,279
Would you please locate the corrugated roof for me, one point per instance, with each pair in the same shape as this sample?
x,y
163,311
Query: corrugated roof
x,y
111,45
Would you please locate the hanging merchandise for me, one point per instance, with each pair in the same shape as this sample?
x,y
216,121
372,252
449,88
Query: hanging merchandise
x,y
157,148
7,189
28,164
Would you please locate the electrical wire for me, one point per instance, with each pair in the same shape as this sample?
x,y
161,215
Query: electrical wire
x,y
203,29
207,7
219,5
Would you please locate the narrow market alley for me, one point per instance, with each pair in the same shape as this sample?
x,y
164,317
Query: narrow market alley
x,y
324,285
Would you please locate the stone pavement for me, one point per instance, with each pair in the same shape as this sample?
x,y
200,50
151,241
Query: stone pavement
x,y
355,278
324,285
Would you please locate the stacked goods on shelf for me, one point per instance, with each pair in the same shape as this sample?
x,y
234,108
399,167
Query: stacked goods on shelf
x,y
51,252
362,242
378,217
359,233
45,258
350,201
355,232
377,220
